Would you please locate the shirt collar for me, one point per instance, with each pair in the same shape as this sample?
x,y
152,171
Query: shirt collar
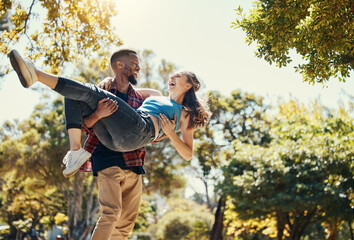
x,y
130,88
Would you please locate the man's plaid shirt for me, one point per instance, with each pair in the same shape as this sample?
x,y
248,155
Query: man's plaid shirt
x,y
133,158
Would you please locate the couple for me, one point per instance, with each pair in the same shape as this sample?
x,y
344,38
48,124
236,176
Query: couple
x,y
124,120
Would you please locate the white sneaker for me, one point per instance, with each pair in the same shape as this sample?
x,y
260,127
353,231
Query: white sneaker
x,y
74,160
24,68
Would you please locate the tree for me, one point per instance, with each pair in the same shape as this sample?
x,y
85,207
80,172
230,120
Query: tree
x,y
303,176
27,204
67,30
183,219
239,116
40,142
320,31
254,228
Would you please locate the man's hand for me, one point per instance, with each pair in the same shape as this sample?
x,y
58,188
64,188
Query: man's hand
x,y
106,107
168,126
106,83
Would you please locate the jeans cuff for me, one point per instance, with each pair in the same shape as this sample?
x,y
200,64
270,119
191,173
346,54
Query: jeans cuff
x,y
60,85
73,125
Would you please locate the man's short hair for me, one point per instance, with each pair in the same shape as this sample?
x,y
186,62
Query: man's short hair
x,y
117,55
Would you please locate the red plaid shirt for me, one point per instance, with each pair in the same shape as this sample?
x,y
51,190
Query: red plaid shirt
x,y
133,158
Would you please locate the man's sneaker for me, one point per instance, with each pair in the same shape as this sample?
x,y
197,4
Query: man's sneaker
x,y
74,160
24,68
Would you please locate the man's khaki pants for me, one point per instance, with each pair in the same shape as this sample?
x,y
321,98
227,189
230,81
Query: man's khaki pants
x,y
119,194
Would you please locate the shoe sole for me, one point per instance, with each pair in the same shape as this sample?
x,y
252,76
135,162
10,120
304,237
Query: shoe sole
x,y
77,168
14,62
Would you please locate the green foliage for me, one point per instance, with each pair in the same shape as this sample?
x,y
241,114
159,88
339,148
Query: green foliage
x,y
33,149
263,228
28,203
304,175
152,76
94,69
320,31
175,226
184,220
58,31
239,116
147,212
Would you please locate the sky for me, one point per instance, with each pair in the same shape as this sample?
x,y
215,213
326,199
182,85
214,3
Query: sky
x,y
195,35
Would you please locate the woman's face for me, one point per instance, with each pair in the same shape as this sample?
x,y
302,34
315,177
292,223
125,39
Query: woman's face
x,y
178,83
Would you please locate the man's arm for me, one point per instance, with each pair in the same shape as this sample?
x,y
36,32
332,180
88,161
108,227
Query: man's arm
x,y
106,83
105,108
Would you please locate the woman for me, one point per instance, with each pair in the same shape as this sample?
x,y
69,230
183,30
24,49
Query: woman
x,y
128,129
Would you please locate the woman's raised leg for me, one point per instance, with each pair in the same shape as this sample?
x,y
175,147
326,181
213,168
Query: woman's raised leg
x,y
28,75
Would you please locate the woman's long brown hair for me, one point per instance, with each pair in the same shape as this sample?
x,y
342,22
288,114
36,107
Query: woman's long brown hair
x,y
197,109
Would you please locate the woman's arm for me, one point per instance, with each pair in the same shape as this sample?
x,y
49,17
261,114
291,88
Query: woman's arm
x,y
148,92
145,92
183,146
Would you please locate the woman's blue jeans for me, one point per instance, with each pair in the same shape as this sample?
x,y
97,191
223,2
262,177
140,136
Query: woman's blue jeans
x,y
125,130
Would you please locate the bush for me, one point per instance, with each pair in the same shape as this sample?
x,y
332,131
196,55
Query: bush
x,y
177,225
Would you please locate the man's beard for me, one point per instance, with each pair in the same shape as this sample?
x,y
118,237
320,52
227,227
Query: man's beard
x,y
132,79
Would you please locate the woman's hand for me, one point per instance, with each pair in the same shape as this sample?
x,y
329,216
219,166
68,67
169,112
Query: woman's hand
x,y
106,107
183,145
106,83
168,126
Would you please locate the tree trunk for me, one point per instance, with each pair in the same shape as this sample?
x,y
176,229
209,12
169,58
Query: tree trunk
x,y
75,207
351,230
281,219
305,223
13,232
333,231
300,222
216,232
80,218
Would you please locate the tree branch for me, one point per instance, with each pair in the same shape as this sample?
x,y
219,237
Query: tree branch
x,y
25,26
28,15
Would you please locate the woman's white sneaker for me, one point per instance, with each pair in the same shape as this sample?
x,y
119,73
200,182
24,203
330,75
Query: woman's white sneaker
x,y
24,68
74,160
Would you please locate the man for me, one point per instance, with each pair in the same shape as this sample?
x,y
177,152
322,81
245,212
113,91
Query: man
x,y
119,174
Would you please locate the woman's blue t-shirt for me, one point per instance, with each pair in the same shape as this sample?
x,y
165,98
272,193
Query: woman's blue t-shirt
x,y
160,104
